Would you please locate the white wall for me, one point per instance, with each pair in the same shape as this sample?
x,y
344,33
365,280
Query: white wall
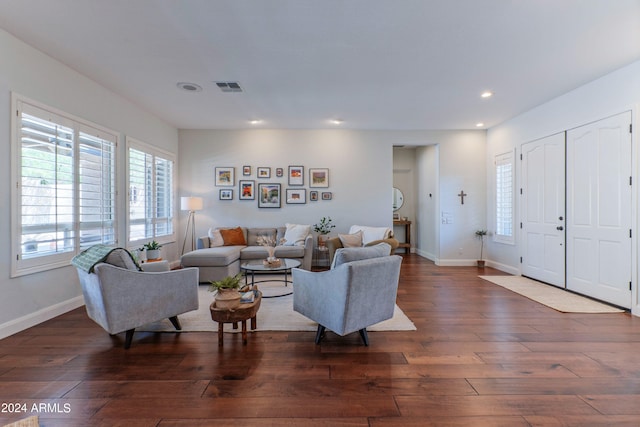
x,y
427,229
31,299
607,96
360,175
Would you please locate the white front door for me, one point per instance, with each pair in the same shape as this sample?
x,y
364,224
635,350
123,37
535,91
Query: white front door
x,y
543,209
599,210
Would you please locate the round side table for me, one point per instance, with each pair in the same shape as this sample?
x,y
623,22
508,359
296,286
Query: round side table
x,y
242,313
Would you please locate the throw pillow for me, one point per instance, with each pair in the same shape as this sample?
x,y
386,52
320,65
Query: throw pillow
x,y
344,255
233,236
122,258
295,234
215,238
351,240
369,234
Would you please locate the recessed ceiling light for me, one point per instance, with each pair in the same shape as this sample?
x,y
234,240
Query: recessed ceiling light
x,y
189,87
479,125
337,121
486,94
255,121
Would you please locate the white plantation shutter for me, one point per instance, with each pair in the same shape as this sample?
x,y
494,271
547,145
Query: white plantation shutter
x,y
151,178
140,195
97,189
65,188
504,164
46,185
164,197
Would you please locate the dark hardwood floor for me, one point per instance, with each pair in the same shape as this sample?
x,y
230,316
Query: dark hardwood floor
x,y
481,356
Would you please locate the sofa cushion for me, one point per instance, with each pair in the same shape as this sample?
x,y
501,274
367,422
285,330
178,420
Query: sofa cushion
x,y
211,257
254,233
254,252
295,234
215,238
233,236
344,255
295,251
351,240
369,234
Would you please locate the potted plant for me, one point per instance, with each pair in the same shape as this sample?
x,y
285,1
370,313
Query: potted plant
x,y
481,234
152,249
323,228
227,296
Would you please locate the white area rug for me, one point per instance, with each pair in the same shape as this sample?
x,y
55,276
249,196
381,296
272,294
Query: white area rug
x,y
275,314
551,296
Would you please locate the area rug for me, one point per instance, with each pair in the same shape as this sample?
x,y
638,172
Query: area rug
x,y
275,314
556,298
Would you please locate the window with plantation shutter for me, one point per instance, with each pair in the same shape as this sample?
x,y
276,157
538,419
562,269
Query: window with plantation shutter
x,y
504,164
151,177
65,191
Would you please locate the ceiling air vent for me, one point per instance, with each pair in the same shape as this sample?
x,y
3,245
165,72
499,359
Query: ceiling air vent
x,y
229,86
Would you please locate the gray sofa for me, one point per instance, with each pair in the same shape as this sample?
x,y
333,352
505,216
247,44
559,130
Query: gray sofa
x,y
218,262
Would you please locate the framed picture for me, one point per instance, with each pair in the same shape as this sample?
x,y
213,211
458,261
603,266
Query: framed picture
x,y
279,172
268,195
247,190
319,178
226,194
264,172
246,170
225,177
296,196
296,175
313,196
327,195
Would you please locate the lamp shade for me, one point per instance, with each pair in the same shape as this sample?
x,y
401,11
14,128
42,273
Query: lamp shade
x,y
191,203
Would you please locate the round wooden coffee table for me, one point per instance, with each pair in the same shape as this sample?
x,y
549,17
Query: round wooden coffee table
x,y
242,313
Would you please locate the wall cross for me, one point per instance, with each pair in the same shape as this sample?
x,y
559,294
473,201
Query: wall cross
x,y
461,195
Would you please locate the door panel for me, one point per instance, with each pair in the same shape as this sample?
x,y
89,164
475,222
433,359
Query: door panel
x,y
599,210
543,209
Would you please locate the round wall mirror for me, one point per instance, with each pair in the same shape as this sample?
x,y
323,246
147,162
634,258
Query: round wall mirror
x,y
398,199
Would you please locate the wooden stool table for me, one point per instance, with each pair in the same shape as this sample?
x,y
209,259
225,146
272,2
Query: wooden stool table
x,y
242,313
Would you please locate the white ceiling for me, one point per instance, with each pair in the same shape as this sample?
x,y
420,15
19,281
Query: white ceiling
x,y
376,64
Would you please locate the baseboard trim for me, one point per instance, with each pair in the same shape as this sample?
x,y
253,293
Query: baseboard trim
x,y
425,254
503,267
25,322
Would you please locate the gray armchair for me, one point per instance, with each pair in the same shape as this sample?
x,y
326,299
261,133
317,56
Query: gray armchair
x,y
121,299
351,296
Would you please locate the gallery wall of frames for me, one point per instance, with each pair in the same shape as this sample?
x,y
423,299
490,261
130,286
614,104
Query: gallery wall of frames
x,y
265,185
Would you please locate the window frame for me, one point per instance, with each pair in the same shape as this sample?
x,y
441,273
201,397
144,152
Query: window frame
x,y
502,159
20,265
147,149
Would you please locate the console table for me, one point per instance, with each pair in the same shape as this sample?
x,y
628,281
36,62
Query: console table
x,y
407,233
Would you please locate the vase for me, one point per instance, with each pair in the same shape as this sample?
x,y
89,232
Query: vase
x,y
153,254
227,299
322,240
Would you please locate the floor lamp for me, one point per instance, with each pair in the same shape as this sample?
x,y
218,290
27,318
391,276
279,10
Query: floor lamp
x,y
191,204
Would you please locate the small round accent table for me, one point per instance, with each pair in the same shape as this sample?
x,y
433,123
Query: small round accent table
x,y
257,265
242,313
